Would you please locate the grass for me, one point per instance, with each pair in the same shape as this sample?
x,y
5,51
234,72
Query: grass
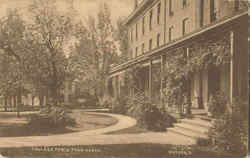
x,y
131,130
11,126
114,151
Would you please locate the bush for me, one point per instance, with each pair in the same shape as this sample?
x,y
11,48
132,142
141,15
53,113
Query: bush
x,y
217,104
229,133
203,142
119,105
149,115
50,118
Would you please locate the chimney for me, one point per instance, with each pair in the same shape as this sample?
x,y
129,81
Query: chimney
x,y
135,4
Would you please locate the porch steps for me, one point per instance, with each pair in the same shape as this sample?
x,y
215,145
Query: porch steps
x,y
192,128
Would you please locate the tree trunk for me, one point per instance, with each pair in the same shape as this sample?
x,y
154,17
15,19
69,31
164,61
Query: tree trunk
x,y
19,101
32,100
15,101
41,101
5,103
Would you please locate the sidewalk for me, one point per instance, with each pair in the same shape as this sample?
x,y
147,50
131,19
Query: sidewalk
x,y
98,137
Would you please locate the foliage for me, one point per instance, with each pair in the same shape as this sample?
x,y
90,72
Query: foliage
x,y
95,52
203,142
51,118
149,115
119,105
217,104
122,38
182,63
12,54
49,32
229,132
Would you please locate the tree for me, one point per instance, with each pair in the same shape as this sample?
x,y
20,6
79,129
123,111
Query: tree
x,y
49,32
12,29
95,51
122,38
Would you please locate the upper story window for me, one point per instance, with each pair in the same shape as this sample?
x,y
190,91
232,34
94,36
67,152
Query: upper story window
x,y
150,44
150,20
214,10
131,35
184,26
170,35
158,13
201,13
136,31
171,12
236,5
143,48
158,39
143,25
184,3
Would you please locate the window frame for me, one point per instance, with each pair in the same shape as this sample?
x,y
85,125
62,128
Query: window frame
x,y
158,40
150,44
143,25
171,12
159,13
184,26
143,48
170,33
150,19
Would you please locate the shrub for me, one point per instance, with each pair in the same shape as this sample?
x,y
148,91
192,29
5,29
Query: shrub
x,y
149,115
50,118
217,104
119,105
203,142
229,133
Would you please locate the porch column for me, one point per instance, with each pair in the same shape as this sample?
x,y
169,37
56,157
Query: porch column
x,y
150,79
231,65
163,61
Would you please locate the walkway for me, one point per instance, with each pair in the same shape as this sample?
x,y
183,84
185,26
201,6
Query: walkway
x,y
97,137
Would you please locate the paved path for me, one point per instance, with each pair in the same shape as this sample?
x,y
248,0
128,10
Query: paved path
x,y
97,137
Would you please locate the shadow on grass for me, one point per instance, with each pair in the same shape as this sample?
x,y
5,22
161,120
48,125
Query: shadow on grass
x,y
23,130
131,130
114,151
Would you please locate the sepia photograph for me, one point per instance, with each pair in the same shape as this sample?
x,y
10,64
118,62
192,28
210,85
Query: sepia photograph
x,y
124,78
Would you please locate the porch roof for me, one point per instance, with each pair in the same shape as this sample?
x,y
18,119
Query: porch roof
x,y
224,24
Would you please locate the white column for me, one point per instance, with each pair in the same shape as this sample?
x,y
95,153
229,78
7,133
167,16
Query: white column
x,y
231,65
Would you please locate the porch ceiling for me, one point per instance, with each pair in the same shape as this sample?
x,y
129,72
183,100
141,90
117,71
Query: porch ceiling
x,y
205,33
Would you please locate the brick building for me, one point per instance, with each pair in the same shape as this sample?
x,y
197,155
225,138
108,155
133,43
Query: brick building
x,y
157,27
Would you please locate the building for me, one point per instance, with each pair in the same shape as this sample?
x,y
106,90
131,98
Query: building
x,y
159,27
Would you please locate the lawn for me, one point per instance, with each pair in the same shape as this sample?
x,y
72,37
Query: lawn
x,y
11,126
132,130
114,151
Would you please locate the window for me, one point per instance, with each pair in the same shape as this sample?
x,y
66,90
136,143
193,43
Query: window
x,y
158,13
214,10
201,13
131,34
136,51
184,3
150,44
170,33
171,13
237,5
158,40
184,26
136,32
142,48
143,25
150,20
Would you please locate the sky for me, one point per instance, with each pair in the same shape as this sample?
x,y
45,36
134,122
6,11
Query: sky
x,y
119,8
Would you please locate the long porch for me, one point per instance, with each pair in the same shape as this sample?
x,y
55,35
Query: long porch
x,y
231,78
